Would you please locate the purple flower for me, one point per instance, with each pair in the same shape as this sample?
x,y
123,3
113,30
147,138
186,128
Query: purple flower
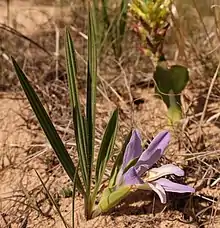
x,y
141,175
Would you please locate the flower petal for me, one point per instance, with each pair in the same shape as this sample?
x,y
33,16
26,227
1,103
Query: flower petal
x,y
170,186
153,153
133,148
159,190
131,177
164,170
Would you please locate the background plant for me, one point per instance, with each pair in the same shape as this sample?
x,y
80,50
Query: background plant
x,y
111,27
152,24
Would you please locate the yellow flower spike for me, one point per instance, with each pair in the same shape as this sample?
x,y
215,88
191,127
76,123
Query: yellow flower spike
x,y
152,15
142,32
152,12
144,7
137,12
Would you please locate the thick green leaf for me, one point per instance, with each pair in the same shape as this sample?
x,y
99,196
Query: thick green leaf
x,y
91,91
169,85
180,77
79,127
48,127
107,144
167,80
163,82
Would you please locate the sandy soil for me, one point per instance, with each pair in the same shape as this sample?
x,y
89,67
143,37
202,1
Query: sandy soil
x,y
22,199
19,178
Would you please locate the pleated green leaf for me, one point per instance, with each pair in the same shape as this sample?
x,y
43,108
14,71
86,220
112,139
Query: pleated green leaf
x,y
91,90
107,144
48,127
79,126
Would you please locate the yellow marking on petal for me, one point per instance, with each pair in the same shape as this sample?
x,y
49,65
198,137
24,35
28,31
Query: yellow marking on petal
x,y
150,176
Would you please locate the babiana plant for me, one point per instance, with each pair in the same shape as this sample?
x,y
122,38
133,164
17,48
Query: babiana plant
x,y
152,18
84,125
133,167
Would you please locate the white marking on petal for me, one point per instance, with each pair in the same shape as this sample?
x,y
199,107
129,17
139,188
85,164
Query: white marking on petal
x,y
159,190
169,169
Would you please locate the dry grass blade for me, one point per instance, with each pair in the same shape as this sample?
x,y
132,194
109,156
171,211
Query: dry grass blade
x,y
209,93
17,33
52,201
